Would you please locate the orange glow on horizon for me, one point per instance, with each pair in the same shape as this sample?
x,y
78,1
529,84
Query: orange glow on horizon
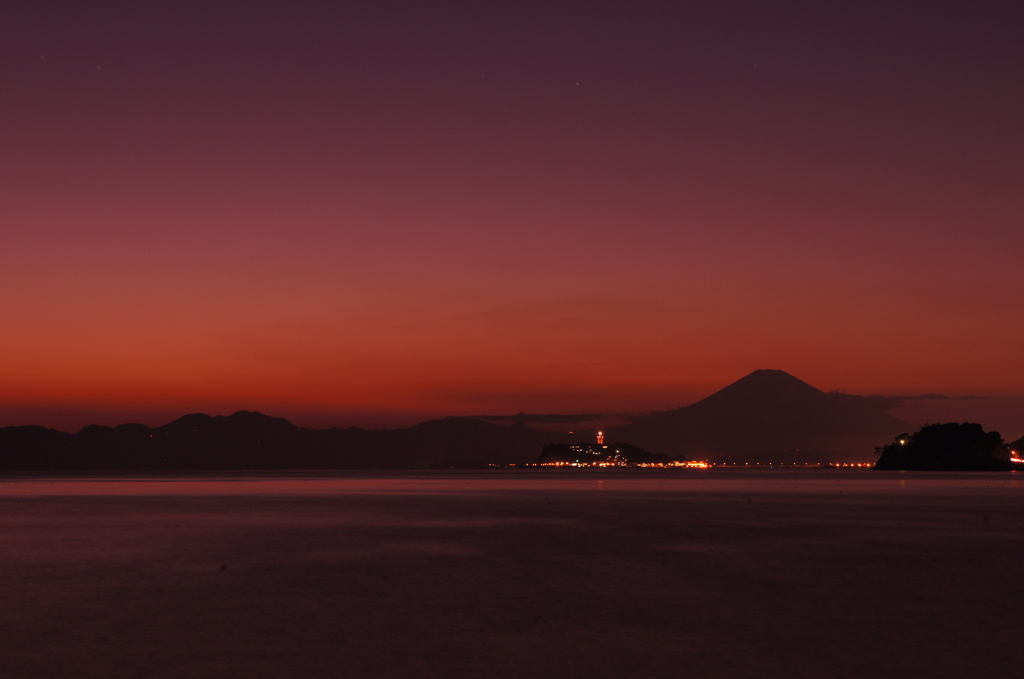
x,y
315,223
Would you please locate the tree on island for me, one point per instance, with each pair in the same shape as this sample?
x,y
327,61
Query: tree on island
x,y
946,447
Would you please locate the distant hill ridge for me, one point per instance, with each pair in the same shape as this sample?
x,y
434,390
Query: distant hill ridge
x,y
766,416
252,440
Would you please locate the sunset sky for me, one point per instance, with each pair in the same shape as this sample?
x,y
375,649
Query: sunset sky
x,y
373,213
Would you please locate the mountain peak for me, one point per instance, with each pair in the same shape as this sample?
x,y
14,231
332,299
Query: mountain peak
x,y
764,384
769,373
766,377
766,414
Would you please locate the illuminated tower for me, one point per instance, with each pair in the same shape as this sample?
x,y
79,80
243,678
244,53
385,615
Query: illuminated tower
x,y
600,438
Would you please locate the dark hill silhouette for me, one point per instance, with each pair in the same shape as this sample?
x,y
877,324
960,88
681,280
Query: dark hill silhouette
x,y
249,440
467,442
33,447
769,416
947,447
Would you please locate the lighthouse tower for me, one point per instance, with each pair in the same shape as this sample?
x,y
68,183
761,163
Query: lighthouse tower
x,y
600,438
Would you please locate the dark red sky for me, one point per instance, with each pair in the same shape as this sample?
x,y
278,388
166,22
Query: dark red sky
x,y
373,215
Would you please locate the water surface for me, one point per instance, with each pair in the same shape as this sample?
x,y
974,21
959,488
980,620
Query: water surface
x,y
710,573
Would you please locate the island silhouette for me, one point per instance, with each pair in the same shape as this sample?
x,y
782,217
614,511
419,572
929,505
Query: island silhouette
x,y
948,447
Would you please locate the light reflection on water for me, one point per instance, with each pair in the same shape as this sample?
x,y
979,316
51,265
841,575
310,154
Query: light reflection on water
x,y
431,482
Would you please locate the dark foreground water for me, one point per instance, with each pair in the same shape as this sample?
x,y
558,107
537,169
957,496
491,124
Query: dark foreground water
x,y
514,574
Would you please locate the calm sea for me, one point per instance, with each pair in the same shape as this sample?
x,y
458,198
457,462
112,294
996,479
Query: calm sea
x,y
593,573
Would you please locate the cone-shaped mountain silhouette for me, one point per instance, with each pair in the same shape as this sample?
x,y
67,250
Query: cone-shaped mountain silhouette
x,y
769,416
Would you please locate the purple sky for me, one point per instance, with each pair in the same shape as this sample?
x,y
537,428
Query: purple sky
x,y
377,214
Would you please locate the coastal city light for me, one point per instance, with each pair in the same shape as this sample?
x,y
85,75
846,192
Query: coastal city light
x,y
704,464
692,464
